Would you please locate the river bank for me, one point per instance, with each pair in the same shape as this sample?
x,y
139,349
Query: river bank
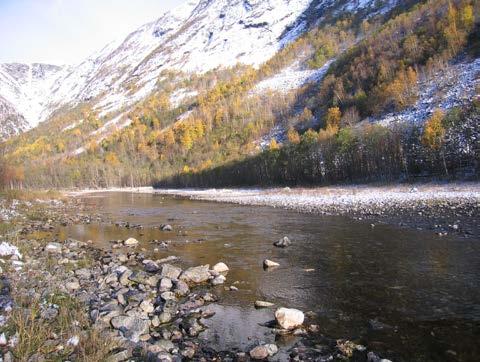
x,y
442,208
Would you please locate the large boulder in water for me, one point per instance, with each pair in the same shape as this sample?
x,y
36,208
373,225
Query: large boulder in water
x,y
289,318
283,242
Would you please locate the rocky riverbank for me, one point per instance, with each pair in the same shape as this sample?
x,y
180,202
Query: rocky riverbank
x,y
442,208
68,300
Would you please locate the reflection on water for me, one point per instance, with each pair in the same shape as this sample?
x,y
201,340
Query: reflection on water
x,y
424,288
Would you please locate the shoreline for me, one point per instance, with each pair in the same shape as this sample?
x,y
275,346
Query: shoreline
x,y
443,208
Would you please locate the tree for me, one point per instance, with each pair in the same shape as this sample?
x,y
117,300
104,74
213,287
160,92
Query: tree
x,y
434,135
434,132
333,118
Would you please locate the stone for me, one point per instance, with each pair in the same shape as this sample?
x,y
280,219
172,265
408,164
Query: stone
x,y
165,317
124,278
83,273
119,356
181,288
151,266
263,304
131,327
166,227
73,285
147,306
73,341
283,242
221,268
165,285
170,271
196,275
131,242
289,318
219,280
263,352
53,248
270,264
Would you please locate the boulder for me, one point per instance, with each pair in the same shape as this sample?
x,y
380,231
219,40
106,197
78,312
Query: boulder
x,y
289,318
221,268
131,242
263,352
219,280
269,264
263,304
53,248
196,275
283,242
131,327
170,271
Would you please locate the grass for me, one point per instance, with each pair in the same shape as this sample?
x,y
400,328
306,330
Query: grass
x,y
30,195
35,334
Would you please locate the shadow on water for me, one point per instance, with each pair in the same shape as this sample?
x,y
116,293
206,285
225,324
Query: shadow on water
x,y
407,293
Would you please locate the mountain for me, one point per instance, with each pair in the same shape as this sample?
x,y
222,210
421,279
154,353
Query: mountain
x,y
214,82
193,38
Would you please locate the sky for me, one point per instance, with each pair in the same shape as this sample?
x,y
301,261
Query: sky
x,y
67,31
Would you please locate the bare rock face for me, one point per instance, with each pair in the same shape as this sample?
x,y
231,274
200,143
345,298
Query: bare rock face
x,y
289,318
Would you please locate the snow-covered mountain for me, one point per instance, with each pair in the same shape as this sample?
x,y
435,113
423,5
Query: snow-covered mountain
x,y
197,36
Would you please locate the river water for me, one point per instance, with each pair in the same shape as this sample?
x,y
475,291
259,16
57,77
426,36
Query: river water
x,y
408,294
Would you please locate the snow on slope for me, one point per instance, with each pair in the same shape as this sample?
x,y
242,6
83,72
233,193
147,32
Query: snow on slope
x,y
447,88
27,88
292,77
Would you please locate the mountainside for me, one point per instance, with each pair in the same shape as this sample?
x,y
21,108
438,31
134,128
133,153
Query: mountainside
x,y
195,37
218,81
27,89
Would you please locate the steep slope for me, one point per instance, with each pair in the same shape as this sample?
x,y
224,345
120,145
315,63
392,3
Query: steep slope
x,y
26,89
196,37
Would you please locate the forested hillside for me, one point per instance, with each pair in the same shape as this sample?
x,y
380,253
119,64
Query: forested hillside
x,y
222,128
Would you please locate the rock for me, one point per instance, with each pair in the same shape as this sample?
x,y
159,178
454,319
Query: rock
x,y
196,275
170,271
192,326
73,285
73,341
124,278
119,356
263,304
164,345
131,327
270,264
3,340
289,318
166,227
262,352
283,242
181,288
168,259
165,285
147,306
131,242
151,266
221,268
83,273
165,317
53,248
219,280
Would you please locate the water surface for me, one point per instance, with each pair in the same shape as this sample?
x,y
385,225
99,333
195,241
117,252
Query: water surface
x,y
423,289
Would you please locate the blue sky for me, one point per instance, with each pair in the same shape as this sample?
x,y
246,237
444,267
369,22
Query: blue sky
x,y
66,31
